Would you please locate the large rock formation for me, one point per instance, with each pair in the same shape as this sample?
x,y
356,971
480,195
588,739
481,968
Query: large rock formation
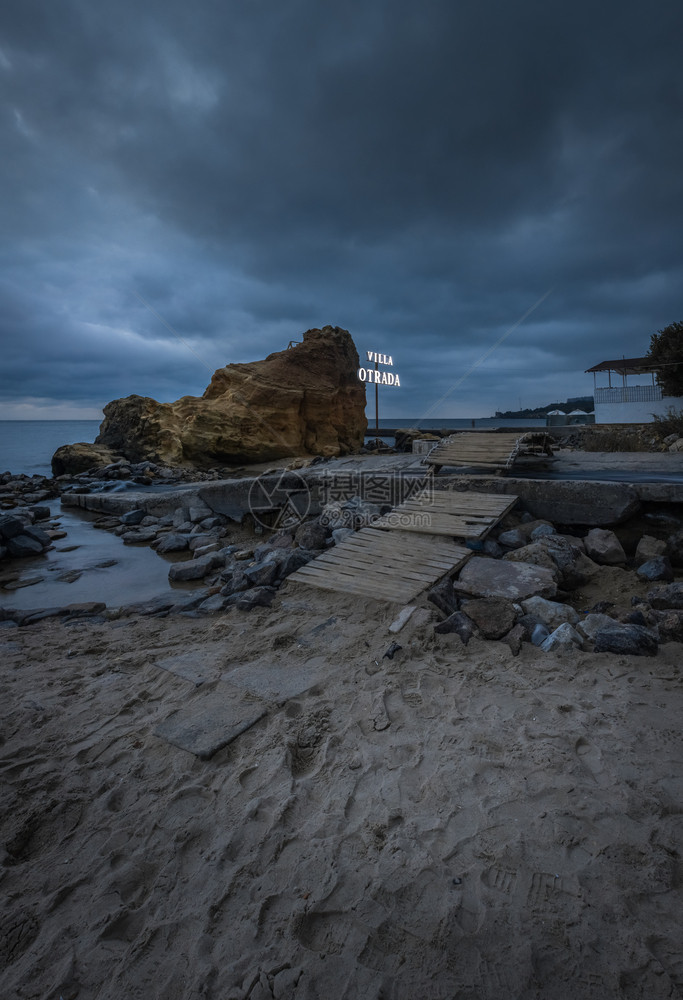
x,y
305,400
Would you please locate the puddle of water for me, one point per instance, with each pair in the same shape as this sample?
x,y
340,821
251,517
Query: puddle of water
x,y
138,573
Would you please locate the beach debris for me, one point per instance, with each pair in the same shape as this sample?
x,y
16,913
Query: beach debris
x,y
459,623
402,619
391,651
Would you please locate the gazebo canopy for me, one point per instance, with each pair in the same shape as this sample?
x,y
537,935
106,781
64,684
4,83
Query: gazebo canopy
x,y
625,366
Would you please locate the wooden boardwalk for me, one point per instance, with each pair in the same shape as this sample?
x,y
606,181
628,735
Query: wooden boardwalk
x,y
384,565
485,450
446,512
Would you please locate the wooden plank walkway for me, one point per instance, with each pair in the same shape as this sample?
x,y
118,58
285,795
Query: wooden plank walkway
x,y
446,512
486,450
383,565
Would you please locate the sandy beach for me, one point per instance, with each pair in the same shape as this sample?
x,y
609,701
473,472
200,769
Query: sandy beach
x,y
452,822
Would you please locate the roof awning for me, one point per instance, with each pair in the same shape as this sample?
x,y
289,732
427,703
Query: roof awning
x,y
625,366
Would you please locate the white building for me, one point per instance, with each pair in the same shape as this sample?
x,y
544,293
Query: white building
x,y
619,402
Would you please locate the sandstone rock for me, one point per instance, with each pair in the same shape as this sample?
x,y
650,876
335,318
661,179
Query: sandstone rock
x,y
497,578
550,613
493,616
632,640
74,458
658,568
304,400
603,547
667,597
564,636
649,548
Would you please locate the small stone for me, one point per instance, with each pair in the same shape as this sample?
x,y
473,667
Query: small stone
x,y
550,613
512,539
565,636
392,651
193,569
459,623
213,604
514,638
541,531
493,616
172,542
667,597
649,548
257,597
603,547
539,634
140,536
22,546
658,568
590,625
631,640
132,517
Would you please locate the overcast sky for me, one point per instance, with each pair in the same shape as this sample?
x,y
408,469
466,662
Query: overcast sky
x,y
422,174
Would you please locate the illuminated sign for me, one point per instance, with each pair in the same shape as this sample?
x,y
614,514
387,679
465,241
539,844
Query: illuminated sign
x,y
374,374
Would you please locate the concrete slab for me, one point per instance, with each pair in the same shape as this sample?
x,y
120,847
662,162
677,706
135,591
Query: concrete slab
x,y
197,666
211,720
279,682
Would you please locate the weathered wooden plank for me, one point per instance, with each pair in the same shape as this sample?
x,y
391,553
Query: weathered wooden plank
x,y
393,566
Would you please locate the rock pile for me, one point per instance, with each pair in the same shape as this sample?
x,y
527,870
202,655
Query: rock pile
x,y
520,589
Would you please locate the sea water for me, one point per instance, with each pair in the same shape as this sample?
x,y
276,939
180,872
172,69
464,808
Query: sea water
x,y
28,445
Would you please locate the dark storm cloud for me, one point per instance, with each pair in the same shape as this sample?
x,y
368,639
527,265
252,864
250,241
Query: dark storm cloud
x,y
420,174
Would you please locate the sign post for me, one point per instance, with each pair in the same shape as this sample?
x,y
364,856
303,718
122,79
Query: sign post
x,y
379,378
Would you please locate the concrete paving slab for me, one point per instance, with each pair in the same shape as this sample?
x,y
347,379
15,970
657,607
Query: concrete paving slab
x,y
278,682
197,666
211,720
